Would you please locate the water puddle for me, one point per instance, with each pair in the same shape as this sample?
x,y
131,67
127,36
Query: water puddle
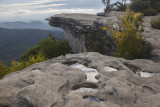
x,y
110,69
85,90
90,98
90,72
138,71
146,74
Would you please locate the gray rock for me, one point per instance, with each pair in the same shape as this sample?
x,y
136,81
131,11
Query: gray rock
x,y
54,83
77,27
153,37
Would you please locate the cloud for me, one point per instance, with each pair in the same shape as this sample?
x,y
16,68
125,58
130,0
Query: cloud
x,y
39,10
29,5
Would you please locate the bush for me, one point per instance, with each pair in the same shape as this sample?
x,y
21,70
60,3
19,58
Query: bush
x,y
139,5
16,66
150,12
128,38
96,41
155,23
156,5
49,47
3,69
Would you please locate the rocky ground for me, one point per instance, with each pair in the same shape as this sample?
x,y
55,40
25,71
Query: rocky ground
x,y
83,80
153,37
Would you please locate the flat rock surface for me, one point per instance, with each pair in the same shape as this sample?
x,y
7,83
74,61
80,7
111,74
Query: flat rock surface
x,y
152,36
55,83
79,22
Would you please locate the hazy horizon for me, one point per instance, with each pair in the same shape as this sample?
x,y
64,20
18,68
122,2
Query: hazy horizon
x,y
38,10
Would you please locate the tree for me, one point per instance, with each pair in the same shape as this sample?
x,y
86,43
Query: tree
x,y
108,5
3,69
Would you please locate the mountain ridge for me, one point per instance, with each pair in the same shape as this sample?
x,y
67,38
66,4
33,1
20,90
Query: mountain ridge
x,y
28,25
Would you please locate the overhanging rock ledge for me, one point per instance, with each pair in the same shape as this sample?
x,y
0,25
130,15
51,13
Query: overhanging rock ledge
x,y
77,26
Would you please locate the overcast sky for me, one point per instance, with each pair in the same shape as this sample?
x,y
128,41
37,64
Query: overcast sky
x,y
29,10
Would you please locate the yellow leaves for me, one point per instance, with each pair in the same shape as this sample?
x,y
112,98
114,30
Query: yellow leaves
x,y
128,35
16,66
155,23
104,28
138,16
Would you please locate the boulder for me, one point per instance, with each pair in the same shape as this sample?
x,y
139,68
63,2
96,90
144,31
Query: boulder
x,y
58,83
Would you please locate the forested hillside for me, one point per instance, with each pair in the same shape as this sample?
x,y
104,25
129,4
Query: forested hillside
x,y
14,42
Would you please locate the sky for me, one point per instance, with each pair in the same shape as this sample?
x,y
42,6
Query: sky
x,y
31,10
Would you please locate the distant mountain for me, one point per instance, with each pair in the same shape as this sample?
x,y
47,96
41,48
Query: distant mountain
x,y
14,42
30,25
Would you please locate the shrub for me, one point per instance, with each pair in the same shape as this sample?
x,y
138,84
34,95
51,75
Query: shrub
x,y
150,12
31,52
95,42
156,5
139,5
49,47
155,23
16,66
128,38
3,69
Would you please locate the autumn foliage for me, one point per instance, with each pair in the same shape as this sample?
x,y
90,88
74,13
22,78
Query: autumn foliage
x,y
128,35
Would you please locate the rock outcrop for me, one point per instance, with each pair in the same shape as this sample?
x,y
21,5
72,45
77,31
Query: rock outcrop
x,y
70,81
77,26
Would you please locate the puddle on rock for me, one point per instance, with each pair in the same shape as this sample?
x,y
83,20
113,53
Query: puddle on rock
x,y
146,74
110,69
90,98
85,90
137,70
90,72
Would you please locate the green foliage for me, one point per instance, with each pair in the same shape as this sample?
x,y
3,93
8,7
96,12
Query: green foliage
x,y
155,23
96,41
139,5
53,48
145,51
3,69
50,48
16,66
108,5
156,5
150,12
128,39
148,8
33,51
119,6
47,48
